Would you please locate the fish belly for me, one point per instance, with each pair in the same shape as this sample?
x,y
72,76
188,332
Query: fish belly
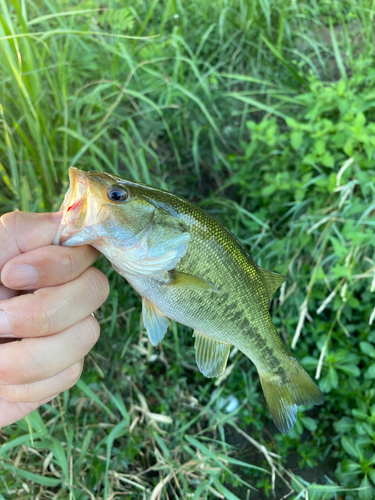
x,y
217,316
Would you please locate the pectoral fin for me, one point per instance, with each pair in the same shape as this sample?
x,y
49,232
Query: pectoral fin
x,y
190,282
167,233
154,321
272,281
211,356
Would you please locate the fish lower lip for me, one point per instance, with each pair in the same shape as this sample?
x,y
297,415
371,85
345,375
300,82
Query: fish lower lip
x,y
66,233
71,237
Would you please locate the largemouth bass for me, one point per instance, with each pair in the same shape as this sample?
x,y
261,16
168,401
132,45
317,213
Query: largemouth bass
x,y
189,268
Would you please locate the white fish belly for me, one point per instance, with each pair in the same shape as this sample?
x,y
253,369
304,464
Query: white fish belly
x,y
187,307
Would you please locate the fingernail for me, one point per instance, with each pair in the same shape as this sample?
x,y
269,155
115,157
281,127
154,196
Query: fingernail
x,y
5,328
19,276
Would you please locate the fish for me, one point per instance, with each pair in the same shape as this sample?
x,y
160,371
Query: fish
x,y
189,268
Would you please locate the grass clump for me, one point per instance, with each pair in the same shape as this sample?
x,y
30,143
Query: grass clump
x,y
263,113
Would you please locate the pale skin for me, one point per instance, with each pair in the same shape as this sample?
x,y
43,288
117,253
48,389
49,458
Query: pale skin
x,y
50,309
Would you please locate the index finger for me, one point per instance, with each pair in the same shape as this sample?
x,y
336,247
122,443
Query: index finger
x,y
21,232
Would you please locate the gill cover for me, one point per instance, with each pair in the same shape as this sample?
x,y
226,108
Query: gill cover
x,y
153,251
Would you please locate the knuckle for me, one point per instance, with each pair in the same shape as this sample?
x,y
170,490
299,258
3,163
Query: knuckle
x,y
86,255
39,319
89,331
8,221
13,364
28,367
69,264
8,372
73,374
94,329
7,225
16,393
99,284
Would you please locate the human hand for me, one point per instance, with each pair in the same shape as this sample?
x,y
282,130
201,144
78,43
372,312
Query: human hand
x,y
52,314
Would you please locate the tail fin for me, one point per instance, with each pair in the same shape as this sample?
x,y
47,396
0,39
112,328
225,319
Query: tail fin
x,y
287,389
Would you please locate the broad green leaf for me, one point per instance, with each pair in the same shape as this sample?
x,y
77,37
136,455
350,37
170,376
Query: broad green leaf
x,y
367,349
345,424
350,466
339,249
333,377
352,370
296,139
328,160
370,373
371,473
349,447
366,490
309,423
320,147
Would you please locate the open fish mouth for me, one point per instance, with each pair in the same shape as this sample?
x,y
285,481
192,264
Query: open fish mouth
x,y
74,206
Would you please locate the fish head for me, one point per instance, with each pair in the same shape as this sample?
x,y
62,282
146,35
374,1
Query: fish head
x,y
101,207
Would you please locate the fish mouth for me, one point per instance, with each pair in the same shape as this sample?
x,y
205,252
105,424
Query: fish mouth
x,y
74,206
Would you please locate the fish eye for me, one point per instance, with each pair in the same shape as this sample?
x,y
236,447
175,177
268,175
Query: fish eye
x,y
117,193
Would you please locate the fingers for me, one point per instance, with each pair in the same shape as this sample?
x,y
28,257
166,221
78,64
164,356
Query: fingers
x,y
54,322
21,232
47,266
37,391
51,310
6,293
12,412
37,359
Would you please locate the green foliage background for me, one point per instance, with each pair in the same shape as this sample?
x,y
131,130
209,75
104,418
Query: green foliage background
x,y
263,113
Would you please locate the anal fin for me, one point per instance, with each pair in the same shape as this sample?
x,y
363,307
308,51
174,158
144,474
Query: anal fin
x,y
154,321
211,356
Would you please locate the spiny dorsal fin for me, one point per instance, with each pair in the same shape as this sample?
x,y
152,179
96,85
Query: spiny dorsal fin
x,y
272,281
190,282
211,356
154,321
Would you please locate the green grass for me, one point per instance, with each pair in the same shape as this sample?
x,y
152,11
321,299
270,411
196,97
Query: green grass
x,y
262,112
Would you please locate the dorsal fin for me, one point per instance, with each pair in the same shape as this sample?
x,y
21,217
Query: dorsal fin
x,y
272,281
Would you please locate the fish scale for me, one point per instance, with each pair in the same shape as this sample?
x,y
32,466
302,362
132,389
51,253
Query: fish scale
x,y
189,268
227,314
